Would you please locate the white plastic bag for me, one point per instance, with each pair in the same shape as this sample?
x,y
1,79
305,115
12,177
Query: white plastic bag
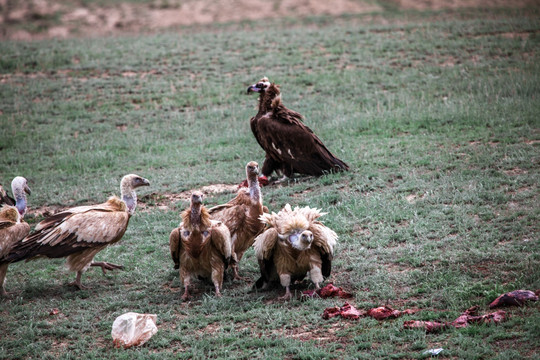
x,y
132,329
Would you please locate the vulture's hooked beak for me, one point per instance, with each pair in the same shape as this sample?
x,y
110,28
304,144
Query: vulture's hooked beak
x,y
27,190
196,198
253,88
145,182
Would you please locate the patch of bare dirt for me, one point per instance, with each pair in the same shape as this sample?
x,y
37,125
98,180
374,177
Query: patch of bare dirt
x,y
457,4
62,19
40,19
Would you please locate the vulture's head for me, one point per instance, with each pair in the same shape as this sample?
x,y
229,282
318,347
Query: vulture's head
x,y
132,181
260,86
20,188
252,170
298,238
127,187
196,198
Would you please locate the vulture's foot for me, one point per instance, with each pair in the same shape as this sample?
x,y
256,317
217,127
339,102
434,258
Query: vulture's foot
x,y
78,285
107,266
236,275
3,293
287,296
282,180
186,296
241,278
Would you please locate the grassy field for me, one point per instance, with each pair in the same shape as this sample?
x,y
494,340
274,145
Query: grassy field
x,y
436,112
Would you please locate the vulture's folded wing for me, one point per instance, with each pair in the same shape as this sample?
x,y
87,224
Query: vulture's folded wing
x,y
286,138
10,236
221,239
265,243
325,240
174,245
71,231
264,250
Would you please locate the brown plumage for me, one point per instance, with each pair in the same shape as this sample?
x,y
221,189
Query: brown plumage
x,y
12,226
80,233
294,244
290,146
200,246
5,199
241,216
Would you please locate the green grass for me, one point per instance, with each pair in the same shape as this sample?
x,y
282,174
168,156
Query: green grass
x,y
437,114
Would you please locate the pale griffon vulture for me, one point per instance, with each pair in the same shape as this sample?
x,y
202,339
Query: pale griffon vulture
x,y
81,232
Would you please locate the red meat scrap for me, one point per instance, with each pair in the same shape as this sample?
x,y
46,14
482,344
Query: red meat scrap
x,y
385,312
514,298
328,291
348,311
468,317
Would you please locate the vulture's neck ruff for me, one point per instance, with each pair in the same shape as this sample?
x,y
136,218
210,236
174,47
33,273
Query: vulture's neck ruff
x,y
20,188
269,99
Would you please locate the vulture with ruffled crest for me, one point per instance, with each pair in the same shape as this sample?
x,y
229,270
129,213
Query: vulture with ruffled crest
x,y
12,226
241,216
200,246
294,244
81,232
290,146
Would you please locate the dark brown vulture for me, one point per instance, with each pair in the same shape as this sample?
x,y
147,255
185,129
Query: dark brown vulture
x,y
200,246
12,226
80,233
294,244
241,216
290,146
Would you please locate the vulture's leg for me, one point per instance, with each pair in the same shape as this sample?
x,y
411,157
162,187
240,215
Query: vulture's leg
x,y
234,265
106,266
186,279
3,271
77,282
269,166
316,276
285,280
217,279
287,295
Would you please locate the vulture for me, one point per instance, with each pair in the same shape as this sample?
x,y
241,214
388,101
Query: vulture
x,y
200,246
81,232
290,146
293,244
12,226
241,216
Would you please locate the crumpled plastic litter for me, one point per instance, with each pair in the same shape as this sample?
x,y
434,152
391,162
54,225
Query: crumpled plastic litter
x,y
328,291
514,298
348,311
433,351
466,318
133,329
